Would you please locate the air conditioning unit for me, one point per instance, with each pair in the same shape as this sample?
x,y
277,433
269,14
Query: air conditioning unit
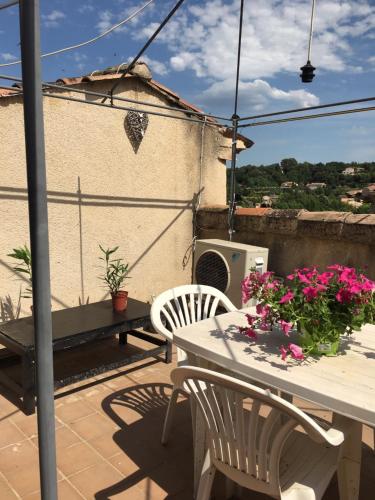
x,y
224,264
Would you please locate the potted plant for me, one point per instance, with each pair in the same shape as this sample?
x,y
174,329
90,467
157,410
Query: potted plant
x,y
320,306
116,271
23,255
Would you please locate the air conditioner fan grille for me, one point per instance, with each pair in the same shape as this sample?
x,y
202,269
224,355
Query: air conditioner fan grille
x,y
211,270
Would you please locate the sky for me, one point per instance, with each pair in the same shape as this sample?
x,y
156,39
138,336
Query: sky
x,y
195,55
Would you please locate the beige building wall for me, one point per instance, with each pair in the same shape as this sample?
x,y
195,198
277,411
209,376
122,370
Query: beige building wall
x,y
100,191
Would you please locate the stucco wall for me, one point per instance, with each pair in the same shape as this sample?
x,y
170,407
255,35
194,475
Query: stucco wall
x,y
298,238
100,191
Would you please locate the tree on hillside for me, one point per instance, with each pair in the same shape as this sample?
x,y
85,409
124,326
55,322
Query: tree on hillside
x,y
288,164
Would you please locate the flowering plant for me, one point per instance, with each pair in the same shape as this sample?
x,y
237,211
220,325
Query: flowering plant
x,y
322,306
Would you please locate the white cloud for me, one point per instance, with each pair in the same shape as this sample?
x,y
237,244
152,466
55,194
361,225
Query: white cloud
x,y
156,66
275,36
108,18
86,7
7,57
53,19
105,20
255,96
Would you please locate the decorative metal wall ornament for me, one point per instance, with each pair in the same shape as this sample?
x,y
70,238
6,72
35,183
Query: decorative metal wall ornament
x,y
136,124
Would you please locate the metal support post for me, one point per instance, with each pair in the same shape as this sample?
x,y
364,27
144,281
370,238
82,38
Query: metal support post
x,y
38,218
232,196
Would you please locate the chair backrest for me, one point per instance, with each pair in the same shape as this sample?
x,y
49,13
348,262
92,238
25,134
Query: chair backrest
x,y
184,305
247,426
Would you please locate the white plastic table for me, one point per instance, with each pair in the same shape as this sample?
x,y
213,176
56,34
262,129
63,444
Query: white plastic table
x,y
344,384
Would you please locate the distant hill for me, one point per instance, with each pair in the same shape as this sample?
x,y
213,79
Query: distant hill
x,y
253,182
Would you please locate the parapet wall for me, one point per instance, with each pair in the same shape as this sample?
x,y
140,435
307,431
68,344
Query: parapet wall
x,y
297,238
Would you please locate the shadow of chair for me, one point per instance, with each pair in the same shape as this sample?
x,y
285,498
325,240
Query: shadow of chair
x,y
139,411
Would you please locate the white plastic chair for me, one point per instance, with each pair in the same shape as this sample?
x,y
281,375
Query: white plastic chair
x,y
178,307
253,439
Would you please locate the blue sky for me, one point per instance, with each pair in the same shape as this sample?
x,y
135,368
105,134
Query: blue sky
x,y
196,56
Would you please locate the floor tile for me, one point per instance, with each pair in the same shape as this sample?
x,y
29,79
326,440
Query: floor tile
x,y
94,426
65,437
10,434
105,445
65,491
6,492
100,481
19,464
70,412
76,458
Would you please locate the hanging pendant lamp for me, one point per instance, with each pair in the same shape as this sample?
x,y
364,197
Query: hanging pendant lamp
x,y
308,69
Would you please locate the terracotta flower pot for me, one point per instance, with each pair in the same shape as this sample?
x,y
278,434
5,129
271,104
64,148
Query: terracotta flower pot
x,y
119,301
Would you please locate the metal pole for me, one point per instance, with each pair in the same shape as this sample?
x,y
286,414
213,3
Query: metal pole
x,y
235,118
38,217
232,196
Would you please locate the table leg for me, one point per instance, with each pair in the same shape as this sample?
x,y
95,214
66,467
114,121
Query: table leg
x,y
28,384
349,467
123,338
168,352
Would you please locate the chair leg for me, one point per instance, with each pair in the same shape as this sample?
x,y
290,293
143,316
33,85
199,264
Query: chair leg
x,y
206,479
169,416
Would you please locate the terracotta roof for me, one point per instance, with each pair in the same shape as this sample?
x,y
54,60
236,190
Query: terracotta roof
x,y
159,87
113,73
5,92
252,211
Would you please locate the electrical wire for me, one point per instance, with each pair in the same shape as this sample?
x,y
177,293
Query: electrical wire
x,y
319,106
182,110
145,46
309,117
87,42
311,29
125,108
116,98
8,4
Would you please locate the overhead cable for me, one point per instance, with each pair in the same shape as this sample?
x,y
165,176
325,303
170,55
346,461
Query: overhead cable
x,y
116,98
8,4
319,106
125,108
143,49
91,40
309,117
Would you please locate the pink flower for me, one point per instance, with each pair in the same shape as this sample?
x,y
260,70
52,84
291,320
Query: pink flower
x,y
335,267
250,319
347,275
290,277
296,351
368,285
264,326
286,327
324,278
311,292
356,288
343,295
287,297
250,332
246,296
284,352
303,278
263,311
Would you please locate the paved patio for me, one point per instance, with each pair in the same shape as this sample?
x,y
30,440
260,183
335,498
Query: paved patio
x,y
108,440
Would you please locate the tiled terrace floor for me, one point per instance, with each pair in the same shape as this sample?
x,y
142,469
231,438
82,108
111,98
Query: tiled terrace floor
x,y
108,442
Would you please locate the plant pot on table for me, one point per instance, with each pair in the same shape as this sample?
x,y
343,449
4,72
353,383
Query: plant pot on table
x,y
119,300
313,344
